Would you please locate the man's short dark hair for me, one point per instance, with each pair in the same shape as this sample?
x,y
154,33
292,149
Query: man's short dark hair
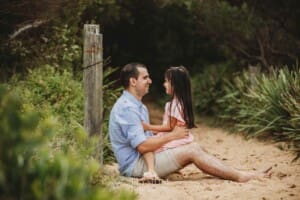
x,y
130,70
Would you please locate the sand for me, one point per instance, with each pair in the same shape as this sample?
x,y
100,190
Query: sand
x,y
233,150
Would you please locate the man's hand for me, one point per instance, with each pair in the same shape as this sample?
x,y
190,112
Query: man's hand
x,y
179,132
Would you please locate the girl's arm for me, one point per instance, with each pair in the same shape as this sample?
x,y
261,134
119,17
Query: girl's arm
x,y
161,128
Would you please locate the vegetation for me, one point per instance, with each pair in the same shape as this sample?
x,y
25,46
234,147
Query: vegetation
x,y
58,94
194,33
217,40
34,166
261,104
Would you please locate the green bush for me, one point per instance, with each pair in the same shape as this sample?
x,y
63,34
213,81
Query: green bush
x,y
232,106
208,88
265,105
271,106
57,93
31,169
206,91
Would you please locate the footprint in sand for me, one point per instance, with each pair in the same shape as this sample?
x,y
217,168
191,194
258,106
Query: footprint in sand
x,y
281,175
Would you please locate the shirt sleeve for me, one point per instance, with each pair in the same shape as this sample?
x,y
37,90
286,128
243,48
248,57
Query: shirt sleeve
x,y
130,123
176,110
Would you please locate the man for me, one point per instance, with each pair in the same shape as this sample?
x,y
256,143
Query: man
x,y
129,140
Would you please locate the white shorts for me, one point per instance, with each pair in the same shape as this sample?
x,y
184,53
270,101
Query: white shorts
x,y
165,164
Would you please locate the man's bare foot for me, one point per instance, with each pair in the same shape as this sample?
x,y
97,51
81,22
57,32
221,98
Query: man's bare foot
x,y
267,173
259,175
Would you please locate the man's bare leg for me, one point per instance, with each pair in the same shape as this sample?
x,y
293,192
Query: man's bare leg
x,y
193,153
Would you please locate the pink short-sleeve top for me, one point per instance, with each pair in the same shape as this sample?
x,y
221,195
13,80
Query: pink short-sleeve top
x,y
176,112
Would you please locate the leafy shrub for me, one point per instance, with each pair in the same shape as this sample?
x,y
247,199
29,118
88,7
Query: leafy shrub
x,y
58,93
231,106
30,169
261,105
208,88
272,106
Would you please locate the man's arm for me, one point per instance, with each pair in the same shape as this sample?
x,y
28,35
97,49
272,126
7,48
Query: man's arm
x,y
153,143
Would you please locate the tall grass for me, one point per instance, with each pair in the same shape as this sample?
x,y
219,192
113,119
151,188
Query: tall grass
x,y
268,104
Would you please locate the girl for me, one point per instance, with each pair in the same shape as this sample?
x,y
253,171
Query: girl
x,y
178,112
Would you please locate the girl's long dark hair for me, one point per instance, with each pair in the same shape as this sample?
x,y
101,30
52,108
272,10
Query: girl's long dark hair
x,y
181,86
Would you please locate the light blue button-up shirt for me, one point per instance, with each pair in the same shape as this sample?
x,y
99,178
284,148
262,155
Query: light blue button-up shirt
x,y
126,131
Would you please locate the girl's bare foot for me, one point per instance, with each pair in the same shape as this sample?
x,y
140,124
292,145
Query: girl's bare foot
x,y
150,177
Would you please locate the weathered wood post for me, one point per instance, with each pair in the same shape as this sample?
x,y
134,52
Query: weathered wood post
x,y
253,73
92,83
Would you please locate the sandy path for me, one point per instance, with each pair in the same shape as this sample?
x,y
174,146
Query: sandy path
x,y
234,151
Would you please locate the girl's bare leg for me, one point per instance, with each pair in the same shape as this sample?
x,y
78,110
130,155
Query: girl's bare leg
x,y
149,160
150,176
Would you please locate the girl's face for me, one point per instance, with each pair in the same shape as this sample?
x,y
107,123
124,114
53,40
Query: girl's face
x,y
168,87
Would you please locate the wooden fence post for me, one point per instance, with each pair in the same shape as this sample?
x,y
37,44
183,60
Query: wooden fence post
x,y
253,73
92,83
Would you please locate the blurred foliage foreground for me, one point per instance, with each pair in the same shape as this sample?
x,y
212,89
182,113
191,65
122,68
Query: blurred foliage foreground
x,y
47,154
256,104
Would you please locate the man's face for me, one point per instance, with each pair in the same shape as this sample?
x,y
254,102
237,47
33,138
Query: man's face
x,y
143,82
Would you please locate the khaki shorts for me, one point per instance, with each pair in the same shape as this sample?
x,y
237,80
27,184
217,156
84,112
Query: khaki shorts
x,y
165,164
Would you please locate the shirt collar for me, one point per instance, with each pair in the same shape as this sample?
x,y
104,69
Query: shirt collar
x,y
129,96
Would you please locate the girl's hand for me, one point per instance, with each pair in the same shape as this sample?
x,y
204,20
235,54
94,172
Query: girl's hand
x,y
145,126
180,132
